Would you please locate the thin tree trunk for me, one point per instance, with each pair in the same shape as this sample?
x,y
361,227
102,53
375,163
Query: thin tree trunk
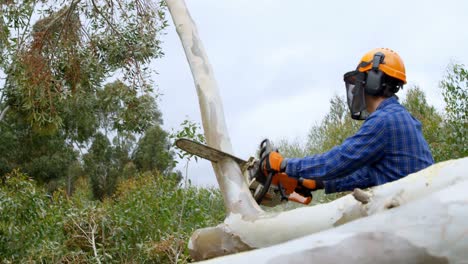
x,y
236,194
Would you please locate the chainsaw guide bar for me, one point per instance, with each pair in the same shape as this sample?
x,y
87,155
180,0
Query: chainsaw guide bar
x,y
206,152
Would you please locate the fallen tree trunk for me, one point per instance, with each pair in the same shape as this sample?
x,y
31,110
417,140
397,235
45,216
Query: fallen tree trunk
x,y
271,229
432,229
247,226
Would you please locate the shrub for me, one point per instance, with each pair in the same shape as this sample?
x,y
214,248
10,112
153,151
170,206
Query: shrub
x,y
30,220
149,219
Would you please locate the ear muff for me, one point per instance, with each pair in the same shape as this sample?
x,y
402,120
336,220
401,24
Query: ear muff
x,y
375,76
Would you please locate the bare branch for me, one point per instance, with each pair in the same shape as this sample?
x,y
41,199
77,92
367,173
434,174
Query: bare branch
x,y
2,115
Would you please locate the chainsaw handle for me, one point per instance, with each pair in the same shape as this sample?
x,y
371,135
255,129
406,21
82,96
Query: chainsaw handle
x,y
265,148
295,197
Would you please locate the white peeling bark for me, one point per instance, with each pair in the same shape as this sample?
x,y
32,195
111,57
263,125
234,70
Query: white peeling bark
x,y
236,194
276,228
432,229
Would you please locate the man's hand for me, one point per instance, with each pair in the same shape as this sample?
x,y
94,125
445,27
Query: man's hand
x,y
305,187
270,159
312,185
272,163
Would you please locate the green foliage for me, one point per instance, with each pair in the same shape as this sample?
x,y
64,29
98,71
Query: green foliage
x,y
43,157
51,53
144,222
292,149
63,123
432,126
153,201
74,171
190,130
28,220
122,109
101,168
335,127
152,151
56,64
455,91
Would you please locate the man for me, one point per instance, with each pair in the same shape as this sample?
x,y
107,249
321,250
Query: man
x,y
388,146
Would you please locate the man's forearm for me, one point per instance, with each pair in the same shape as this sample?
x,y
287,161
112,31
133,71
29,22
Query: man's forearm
x,y
359,179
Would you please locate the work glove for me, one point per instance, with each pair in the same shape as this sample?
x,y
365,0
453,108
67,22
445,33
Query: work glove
x,y
306,186
273,162
310,184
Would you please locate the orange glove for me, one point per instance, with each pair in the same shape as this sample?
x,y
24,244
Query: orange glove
x,y
306,186
312,185
272,162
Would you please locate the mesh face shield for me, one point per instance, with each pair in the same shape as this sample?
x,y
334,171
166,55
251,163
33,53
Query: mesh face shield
x,y
354,82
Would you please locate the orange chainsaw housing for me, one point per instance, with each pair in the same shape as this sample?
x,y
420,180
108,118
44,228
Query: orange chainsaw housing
x,y
290,184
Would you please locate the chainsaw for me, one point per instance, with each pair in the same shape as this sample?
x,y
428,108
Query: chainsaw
x,y
267,189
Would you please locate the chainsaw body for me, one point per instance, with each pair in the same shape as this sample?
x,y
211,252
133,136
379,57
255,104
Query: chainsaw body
x,y
268,190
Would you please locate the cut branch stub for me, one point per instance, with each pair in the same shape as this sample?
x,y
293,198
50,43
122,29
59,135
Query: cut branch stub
x,y
361,196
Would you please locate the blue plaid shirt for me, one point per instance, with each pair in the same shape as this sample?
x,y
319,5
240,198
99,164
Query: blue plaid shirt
x,y
388,146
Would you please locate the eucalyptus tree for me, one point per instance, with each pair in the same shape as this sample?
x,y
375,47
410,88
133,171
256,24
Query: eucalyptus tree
x,y
455,92
57,53
153,151
72,69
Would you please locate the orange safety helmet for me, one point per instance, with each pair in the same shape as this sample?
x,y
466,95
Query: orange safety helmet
x,y
370,79
392,64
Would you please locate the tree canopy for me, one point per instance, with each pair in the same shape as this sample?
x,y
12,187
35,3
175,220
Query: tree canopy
x,y
76,87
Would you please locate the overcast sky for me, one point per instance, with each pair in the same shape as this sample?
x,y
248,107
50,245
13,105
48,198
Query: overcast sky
x,y
278,63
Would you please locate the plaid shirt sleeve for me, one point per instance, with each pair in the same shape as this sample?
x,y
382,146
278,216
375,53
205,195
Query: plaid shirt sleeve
x,y
357,179
346,161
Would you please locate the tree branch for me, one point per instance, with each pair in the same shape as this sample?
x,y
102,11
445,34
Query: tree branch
x,y
2,115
